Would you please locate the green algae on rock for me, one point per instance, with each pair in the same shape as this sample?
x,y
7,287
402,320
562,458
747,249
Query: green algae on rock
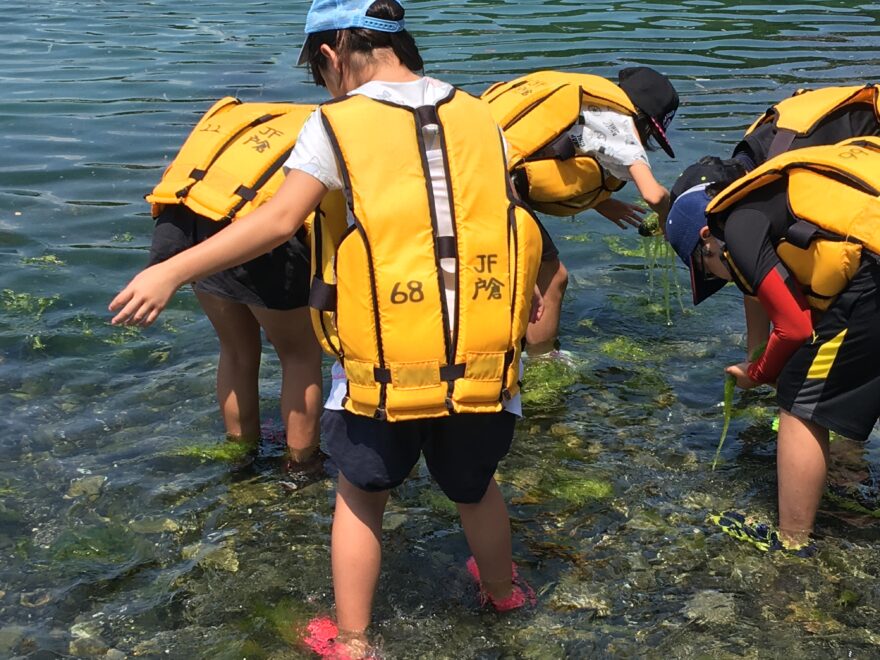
x,y
545,380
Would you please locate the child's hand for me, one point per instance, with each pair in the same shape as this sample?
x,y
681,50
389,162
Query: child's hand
x,y
621,213
741,373
144,298
537,310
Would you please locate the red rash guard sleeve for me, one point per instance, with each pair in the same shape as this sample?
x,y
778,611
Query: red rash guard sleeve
x,y
792,324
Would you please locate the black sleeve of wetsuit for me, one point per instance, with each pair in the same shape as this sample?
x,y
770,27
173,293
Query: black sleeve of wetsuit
x,y
751,232
757,145
549,251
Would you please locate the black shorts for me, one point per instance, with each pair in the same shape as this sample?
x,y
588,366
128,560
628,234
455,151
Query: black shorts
x,y
462,451
276,280
834,380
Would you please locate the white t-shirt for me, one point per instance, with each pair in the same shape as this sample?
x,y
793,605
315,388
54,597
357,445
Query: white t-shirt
x,y
314,155
611,138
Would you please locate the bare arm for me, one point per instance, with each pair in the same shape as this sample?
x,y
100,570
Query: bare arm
x,y
144,298
651,191
757,325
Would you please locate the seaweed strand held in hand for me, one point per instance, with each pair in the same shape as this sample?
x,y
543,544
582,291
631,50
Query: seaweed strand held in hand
x,y
729,388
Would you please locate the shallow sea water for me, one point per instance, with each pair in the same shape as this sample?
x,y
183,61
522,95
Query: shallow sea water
x,y
115,534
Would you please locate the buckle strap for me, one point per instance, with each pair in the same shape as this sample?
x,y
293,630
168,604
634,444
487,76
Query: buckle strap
x,y
449,372
426,114
322,296
446,247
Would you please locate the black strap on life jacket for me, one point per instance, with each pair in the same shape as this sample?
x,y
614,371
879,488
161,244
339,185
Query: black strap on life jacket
x,y
561,148
448,373
322,296
802,233
781,142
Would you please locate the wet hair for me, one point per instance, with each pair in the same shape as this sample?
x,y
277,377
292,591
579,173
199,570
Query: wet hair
x,y
365,41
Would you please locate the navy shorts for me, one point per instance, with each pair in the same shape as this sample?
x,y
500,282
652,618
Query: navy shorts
x,y
276,280
834,380
462,451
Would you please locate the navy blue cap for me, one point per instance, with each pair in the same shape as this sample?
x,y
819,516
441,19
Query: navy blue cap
x,y
685,221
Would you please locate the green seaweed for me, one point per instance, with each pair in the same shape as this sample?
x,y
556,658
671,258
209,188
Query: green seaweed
x,y
230,451
26,304
546,379
579,490
729,389
625,349
616,245
46,261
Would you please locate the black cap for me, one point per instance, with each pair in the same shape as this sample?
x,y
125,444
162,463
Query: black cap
x,y
709,169
654,96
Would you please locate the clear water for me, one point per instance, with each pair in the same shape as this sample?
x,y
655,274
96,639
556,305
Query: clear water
x,y
112,537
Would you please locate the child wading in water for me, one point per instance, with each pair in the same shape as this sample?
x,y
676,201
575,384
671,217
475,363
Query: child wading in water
x,y
433,291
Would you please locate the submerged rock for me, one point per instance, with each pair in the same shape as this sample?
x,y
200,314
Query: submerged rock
x,y
711,607
209,555
571,595
87,642
10,637
154,525
87,486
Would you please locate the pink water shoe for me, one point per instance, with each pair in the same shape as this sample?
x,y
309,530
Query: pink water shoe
x,y
520,596
322,638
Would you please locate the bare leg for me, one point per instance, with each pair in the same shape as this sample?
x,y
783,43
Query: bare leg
x,y
487,528
552,282
356,554
294,340
801,466
238,368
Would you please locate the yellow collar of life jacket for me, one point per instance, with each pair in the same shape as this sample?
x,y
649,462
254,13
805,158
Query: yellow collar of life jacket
x,y
405,353
834,194
536,112
800,114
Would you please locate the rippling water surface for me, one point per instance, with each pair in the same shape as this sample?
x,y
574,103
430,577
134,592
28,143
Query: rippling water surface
x,y
116,534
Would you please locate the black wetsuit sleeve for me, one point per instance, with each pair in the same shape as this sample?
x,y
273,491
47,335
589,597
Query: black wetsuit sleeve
x,y
750,250
751,232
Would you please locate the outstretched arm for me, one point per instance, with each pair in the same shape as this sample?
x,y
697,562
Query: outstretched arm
x,y
651,191
144,298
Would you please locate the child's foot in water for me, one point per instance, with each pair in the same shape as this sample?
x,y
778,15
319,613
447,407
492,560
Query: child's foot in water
x,y
760,535
324,639
299,474
521,594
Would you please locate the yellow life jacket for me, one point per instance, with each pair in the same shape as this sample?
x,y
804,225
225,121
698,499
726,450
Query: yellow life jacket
x,y
800,114
536,112
834,192
231,162
405,354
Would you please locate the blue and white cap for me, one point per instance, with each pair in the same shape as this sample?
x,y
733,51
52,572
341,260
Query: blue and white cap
x,y
341,15
685,221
